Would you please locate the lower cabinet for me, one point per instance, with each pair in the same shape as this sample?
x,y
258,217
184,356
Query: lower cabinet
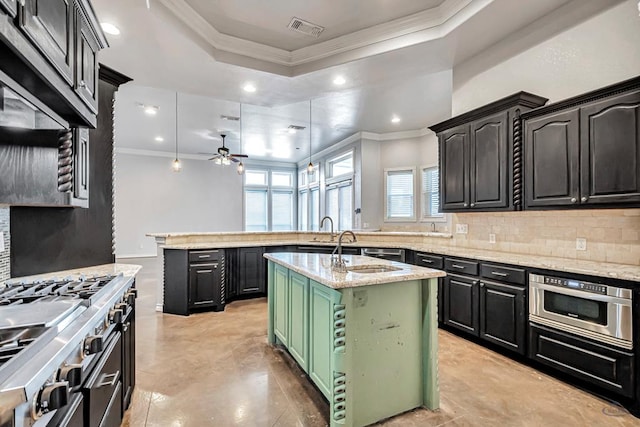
x,y
128,357
193,279
281,304
298,318
503,318
461,304
249,271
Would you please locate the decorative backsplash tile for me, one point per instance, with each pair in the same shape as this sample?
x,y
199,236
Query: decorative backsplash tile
x,y
5,261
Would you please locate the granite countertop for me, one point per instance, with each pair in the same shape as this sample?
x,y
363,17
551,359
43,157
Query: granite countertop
x,y
569,265
318,267
127,270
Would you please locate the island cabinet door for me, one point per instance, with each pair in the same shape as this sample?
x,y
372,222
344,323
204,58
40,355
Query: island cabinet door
x,y
204,284
281,304
321,335
461,304
299,318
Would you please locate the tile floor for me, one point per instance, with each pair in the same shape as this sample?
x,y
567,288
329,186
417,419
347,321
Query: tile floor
x,y
216,369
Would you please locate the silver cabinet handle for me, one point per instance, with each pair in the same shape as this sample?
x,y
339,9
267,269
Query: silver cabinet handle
x,y
584,199
427,261
82,84
461,267
204,256
481,285
125,327
207,271
108,380
465,205
497,273
473,205
573,200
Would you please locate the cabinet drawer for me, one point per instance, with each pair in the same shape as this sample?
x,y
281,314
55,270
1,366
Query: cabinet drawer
x,y
208,255
431,261
461,267
503,274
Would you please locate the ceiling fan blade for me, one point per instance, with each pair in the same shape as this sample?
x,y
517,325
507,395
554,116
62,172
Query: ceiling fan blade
x,y
217,156
238,155
233,159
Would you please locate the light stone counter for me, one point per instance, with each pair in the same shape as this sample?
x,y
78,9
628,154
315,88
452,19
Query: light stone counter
x,y
318,267
127,270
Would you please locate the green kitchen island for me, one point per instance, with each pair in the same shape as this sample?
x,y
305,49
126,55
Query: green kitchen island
x,y
367,337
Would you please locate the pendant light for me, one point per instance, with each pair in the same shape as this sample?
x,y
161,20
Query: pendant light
x,y
240,169
310,165
177,166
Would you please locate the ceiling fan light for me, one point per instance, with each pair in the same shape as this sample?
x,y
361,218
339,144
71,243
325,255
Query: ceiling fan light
x,y
177,166
240,169
217,161
226,161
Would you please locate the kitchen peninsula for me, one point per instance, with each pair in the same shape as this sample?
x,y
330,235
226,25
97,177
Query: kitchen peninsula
x,y
367,337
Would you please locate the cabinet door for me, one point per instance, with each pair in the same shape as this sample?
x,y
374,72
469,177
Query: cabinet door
x,y
9,6
321,321
81,164
454,168
610,150
489,172
86,79
128,358
299,318
49,25
552,160
461,304
204,284
281,304
251,267
502,315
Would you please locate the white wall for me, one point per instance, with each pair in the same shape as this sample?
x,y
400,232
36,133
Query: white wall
x,y
602,50
150,197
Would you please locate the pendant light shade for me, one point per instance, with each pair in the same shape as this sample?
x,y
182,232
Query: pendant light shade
x,y
310,165
177,166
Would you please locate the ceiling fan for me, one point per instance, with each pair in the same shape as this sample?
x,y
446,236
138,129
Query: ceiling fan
x,y
223,157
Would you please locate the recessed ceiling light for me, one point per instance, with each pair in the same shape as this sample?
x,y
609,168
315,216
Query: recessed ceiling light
x,y
110,28
395,119
249,87
159,139
339,80
151,110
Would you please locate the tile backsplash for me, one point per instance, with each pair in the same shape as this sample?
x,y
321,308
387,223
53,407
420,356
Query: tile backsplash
x,y
612,235
5,264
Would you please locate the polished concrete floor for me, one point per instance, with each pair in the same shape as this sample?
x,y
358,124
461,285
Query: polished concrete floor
x,y
216,369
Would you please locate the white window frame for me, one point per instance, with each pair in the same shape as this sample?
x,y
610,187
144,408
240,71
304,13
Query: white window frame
x,y
411,169
270,191
331,179
443,217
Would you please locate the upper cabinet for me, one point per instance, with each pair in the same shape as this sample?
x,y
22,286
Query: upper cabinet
x,y
50,48
480,156
585,151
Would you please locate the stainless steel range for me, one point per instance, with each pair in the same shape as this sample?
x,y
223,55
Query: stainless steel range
x,y
61,350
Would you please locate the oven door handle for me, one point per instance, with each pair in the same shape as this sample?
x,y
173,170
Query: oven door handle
x,y
581,294
108,380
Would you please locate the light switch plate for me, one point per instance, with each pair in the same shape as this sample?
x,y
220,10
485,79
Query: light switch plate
x,y
462,228
492,238
581,244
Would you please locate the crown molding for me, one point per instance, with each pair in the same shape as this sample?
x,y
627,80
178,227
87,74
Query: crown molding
x,y
167,154
410,30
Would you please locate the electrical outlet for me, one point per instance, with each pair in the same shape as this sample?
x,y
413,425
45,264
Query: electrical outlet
x,y
492,238
581,244
462,228
365,225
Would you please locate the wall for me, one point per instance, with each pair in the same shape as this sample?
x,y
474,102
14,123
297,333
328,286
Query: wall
x,y
150,197
600,51
52,239
370,199
5,256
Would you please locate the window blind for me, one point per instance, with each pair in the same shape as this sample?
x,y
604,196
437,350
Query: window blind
x,y
400,195
430,193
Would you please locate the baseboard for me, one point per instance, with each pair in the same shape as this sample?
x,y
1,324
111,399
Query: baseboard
x,y
159,307
136,256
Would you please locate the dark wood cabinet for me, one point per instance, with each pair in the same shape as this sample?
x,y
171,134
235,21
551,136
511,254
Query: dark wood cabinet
x,y
610,150
86,68
10,7
49,26
503,318
128,357
194,279
251,267
454,168
481,156
461,303
585,151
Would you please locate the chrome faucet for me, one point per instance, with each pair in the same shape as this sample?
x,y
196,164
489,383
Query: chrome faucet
x,y
338,264
331,221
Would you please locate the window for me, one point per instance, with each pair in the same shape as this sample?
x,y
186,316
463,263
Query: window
x,y
399,194
339,200
269,200
340,166
309,200
431,195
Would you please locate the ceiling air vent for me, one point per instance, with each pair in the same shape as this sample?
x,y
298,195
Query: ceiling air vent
x,y
294,127
305,27
232,118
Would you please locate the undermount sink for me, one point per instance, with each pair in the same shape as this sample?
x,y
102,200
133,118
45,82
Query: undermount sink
x,y
322,241
364,269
